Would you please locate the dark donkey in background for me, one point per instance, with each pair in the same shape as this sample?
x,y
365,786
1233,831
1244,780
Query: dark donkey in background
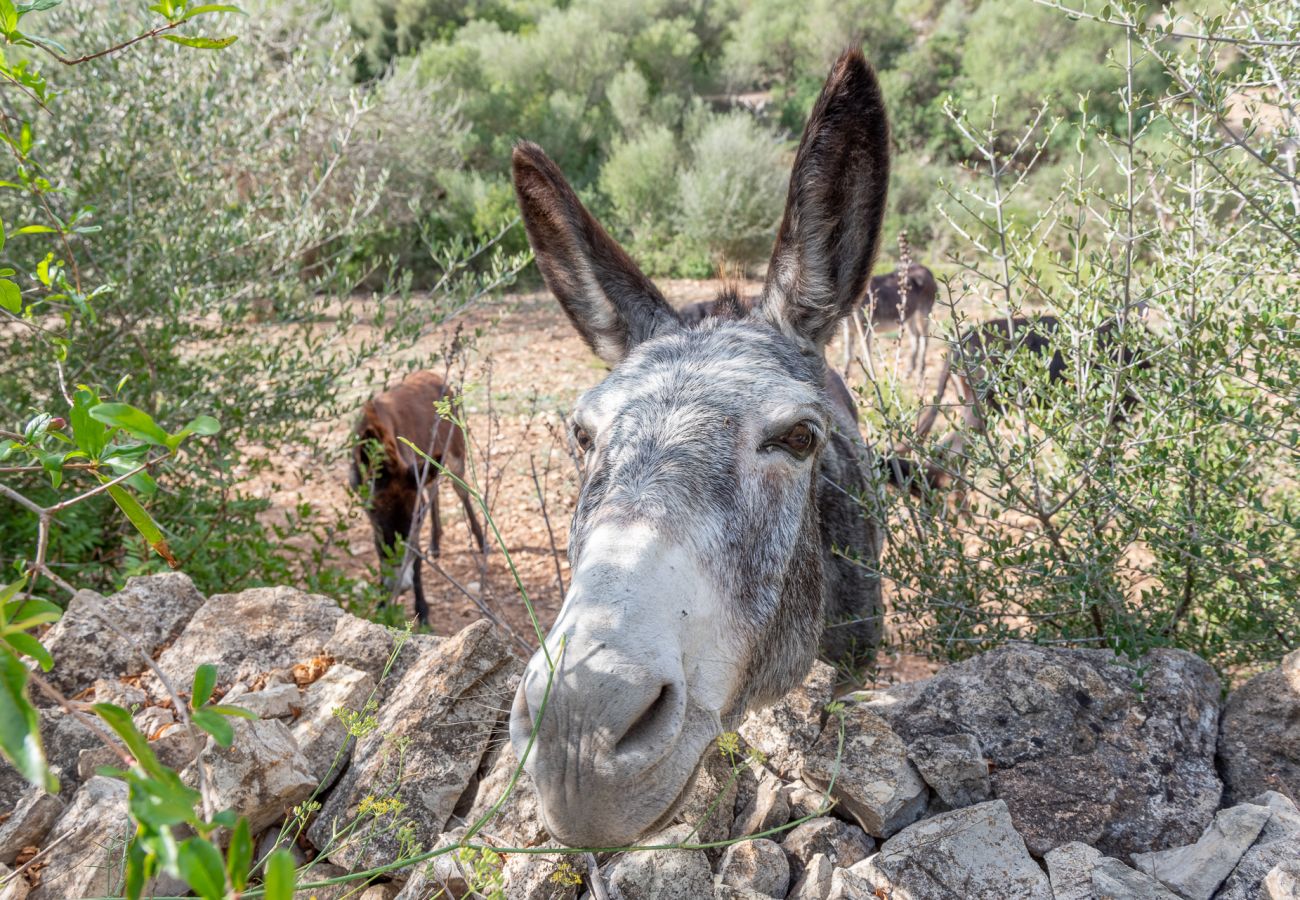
x,y
717,509
399,479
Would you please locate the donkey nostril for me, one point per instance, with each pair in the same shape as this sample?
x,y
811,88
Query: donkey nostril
x,y
654,723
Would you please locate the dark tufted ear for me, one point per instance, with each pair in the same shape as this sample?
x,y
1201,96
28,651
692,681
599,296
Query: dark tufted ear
x,y
831,228
610,301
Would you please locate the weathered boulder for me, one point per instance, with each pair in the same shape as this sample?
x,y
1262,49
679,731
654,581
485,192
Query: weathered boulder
x,y
815,881
441,715
787,729
1278,841
273,628
87,862
1259,734
1283,881
1069,869
954,767
839,842
758,865
261,775
1112,880
1195,871
767,809
873,779
660,874
973,852
1083,747
28,822
152,609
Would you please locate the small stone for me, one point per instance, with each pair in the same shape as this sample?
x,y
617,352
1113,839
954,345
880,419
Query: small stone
x,y
12,888
873,780
847,884
758,865
275,701
1283,881
154,721
118,693
1112,880
841,843
769,809
787,729
806,802
954,767
660,874
973,852
1069,868
28,823
261,775
1195,871
1259,734
321,735
815,882
540,876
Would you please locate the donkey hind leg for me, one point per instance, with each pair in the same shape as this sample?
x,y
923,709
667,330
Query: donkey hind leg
x,y
435,518
421,605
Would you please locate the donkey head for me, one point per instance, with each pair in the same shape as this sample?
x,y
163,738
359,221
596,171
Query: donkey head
x,y
697,549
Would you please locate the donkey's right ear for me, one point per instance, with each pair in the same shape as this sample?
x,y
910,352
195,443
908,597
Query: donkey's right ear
x,y
610,301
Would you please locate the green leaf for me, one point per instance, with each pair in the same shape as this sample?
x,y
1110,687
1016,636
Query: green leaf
x,y
118,719
205,679
280,876
37,5
24,614
200,865
131,420
212,8
214,724
143,522
202,43
8,16
20,736
89,434
28,646
239,858
35,229
11,297
237,712
137,870
202,425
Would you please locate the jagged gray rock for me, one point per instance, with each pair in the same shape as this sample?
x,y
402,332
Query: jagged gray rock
x,y
1283,881
1259,734
954,767
1195,871
1083,747
709,803
261,775
876,782
64,737
1278,841
321,735
1112,880
841,843
518,821
814,883
540,877
973,852
28,823
88,862
152,609
660,874
443,711
278,700
787,729
1069,868
758,865
767,809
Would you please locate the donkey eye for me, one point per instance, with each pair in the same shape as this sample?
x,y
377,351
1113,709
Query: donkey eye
x,y
581,437
798,441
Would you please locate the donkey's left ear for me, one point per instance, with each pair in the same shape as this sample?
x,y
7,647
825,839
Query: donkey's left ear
x,y
831,229
610,301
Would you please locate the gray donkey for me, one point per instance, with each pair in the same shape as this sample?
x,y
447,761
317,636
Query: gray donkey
x,y
719,501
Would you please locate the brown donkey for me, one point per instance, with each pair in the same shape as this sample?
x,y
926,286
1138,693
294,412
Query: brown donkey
x,y
720,536
399,479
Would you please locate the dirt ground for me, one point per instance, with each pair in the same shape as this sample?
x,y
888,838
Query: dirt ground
x,y
518,382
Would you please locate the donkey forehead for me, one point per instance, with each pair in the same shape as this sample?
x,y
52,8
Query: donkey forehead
x,y
724,375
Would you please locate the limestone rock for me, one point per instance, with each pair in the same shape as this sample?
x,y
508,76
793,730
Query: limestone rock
x,y
64,737
660,874
176,749
119,693
787,729
15,888
1195,871
518,821
154,721
1283,882
28,823
709,803
1112,880
805,801
839,842
815,881
727,892
1069,868
321,735
152,609
876,782
262,775
443,711
767,810
848,884
954,767
1082,748
540,877
758,865
1259,734
279,700
1278,841
88,863
973,852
